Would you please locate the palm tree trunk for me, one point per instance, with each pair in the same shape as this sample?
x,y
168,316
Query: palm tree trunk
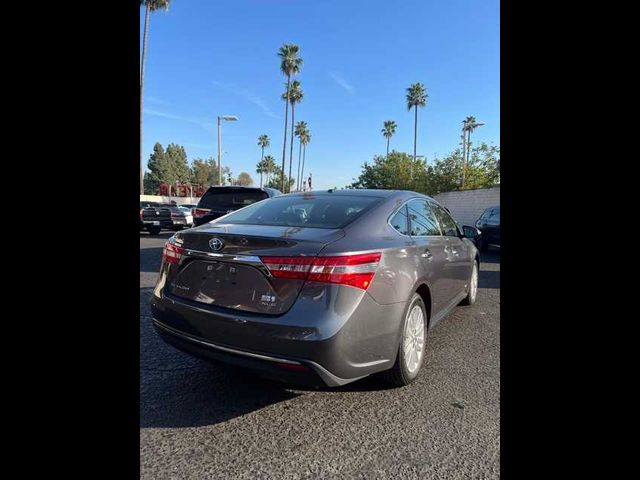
x,y
144,55
468,147
293,112
261,166
415,139
464,158
284,144
298,177
388,138
304,154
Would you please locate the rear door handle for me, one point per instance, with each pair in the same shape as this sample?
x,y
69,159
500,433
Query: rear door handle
x,y
427,254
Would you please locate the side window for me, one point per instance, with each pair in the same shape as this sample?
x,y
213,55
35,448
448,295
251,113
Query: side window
x,y
399,221
421,219
446,222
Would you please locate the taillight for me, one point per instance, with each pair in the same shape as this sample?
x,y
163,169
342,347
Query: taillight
x,y
172,253
353,270
199,212
141,210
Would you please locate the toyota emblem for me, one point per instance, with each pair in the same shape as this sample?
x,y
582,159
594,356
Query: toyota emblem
x,y
216,244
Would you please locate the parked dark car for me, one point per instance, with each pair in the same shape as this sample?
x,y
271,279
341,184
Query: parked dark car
x,y
157,218
218,201
489,226
143,205
320,288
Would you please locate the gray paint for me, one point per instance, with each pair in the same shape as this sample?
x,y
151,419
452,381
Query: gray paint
x,y
347,332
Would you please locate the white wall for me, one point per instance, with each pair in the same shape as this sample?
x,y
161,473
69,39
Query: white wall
x,y
466,206
163,199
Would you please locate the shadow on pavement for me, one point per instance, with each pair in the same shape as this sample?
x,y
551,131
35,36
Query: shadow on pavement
x,y
150,259
489,279
177,390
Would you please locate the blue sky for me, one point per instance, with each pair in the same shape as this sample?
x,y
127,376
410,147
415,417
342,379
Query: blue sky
x,y
207,58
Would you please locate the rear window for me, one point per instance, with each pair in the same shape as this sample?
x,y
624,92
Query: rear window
x,y
231,198
330,211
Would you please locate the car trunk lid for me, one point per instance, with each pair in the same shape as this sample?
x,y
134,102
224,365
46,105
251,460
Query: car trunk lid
x,y
221,265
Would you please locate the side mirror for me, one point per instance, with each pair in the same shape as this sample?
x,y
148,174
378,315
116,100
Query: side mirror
x,y
470,232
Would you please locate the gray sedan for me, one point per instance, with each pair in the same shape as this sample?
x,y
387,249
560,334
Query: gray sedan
x,y
320,288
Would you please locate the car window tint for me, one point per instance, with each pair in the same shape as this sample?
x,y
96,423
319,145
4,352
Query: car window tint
x,y
399,221
422,221
322,211
447,223
227,198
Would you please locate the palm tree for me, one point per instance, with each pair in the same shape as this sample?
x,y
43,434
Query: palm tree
x,y
269,166
260,170
150,6
388,131
290,65
305,139
416,97
295,95
263,142
301,129
469,124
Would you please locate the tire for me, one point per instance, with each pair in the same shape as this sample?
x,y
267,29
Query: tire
x,y
472,293
406,369
154,230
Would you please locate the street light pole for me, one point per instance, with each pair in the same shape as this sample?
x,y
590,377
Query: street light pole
x,y
228,118
219,148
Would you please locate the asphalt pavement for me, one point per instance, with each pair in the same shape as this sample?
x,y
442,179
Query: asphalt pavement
x,y
205,421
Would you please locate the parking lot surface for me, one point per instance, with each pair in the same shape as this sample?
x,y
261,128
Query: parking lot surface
x,y
205,421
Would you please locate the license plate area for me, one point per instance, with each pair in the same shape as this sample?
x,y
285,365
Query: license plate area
x,y
234,286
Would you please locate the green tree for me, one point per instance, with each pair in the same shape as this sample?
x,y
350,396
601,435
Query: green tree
x,y
276,179
244,180
150,6
263,142
269,166
290,64
394,171
416,97
295,95
388,131
204,172
157,164
301,130
178,166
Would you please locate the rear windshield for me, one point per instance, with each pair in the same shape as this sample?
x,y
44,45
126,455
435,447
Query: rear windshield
x,y
325,211
231,198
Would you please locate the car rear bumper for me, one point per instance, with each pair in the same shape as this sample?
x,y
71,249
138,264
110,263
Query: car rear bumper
x,y
335,349
282,369
162,223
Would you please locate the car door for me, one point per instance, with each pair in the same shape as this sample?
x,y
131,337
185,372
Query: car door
x,y
493,226
431,253
457,251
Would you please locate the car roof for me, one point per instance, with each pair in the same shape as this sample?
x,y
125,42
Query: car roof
x,y
363,192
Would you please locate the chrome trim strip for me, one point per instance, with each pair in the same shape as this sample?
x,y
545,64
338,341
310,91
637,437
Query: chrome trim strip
x,y
188,337
252,260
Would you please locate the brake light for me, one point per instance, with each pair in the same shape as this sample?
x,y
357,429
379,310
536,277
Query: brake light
x,y
353,270
199,212
172,253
